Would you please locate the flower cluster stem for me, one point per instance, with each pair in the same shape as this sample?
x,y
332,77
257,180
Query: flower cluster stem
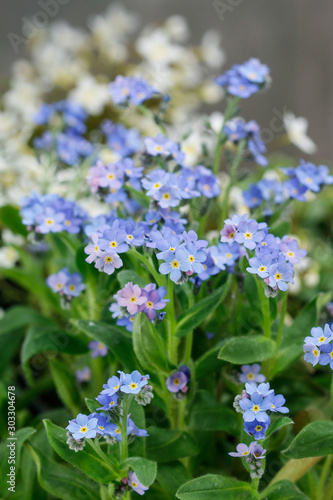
x,y
124,443
221,138
264,302
281,325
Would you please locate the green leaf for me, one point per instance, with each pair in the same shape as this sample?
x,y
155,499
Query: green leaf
x,y
249,349
86,460
62,482
172,476
50,339
293,337
20,316
218,487
65,385
200,311
115,338
208,362
277,424
213,417
21,436
127,275
92,404
148,345
145,470
10,217
283,490
166,445
315,440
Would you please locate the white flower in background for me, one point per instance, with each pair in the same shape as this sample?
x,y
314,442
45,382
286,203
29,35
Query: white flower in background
x,y
177,28
8,124
210,93
90,94
93,206
23,98
216,121
236,199
211,51
8,257
156,47
296,129
66,37
10,238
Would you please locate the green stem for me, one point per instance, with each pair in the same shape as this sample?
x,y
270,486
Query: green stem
x,y
188,348
233,172
221,138
96,447
181,414
147,261
324,474
281,325
147,112
264,301
255,483
172,341
124,442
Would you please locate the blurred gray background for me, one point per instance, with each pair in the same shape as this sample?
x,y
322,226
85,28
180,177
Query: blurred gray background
x,y
293,37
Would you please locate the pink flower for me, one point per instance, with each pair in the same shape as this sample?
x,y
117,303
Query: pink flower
x,y
131,298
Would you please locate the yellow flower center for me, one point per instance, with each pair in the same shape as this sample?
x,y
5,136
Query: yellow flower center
x,y
130,236
191,258
250,376
322,339
171,249
134,484
96,248
84,429
108,259
67,223
133,385
231,235
72,288
255,408
49,222
316,352
291,254
117,431
116,387
101,427
258,428
175,264
262,268
133,299
111,176
149,304
166,196
158,148
248,235
228,255
156,186
176,381
245,453
277,276
113,244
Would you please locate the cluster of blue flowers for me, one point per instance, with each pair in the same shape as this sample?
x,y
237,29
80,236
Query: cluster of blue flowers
x,y
131,89
51,213
306,177
169,189
256,403
121,140
164,147
70,144
238,129
243,80
108,180
178,382
133,299
319,347
106,422
274,257
66,284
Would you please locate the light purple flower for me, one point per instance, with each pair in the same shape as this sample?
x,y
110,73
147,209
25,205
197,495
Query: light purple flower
x,y
135,484
97,349
251,373
131,297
